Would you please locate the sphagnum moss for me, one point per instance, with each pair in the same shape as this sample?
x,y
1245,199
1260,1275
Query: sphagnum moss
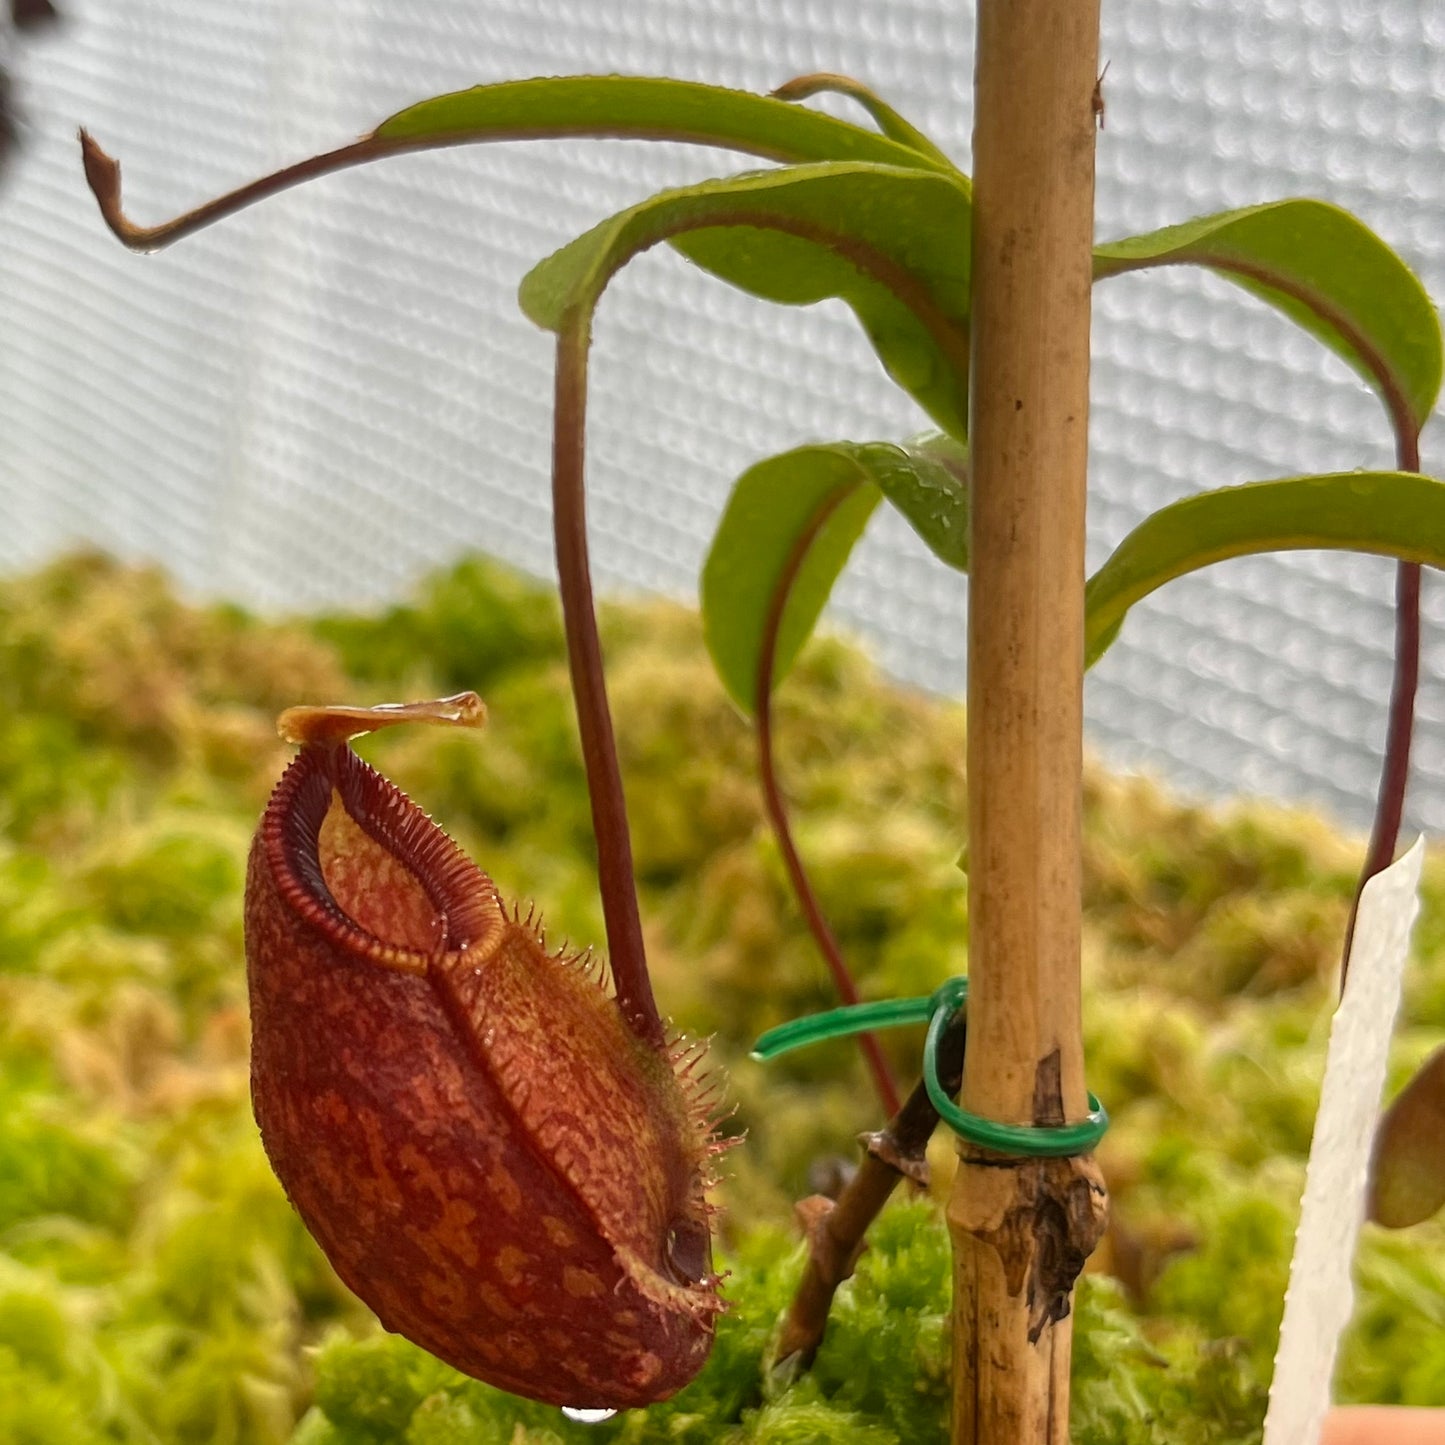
x,y
154,1284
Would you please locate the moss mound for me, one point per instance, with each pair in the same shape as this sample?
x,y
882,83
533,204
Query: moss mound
x,y
154,1285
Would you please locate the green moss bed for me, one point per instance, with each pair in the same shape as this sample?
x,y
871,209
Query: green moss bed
x,y
154,1284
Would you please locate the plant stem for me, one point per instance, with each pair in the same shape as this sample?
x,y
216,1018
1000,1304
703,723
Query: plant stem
x,y
615,876
835,1228
1022,1228
777,810
1400,726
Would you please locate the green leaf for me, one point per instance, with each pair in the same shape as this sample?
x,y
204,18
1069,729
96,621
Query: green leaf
x,y
642,108
788,528
926,479
1396,514
597,106
890,242
888,120
1325,270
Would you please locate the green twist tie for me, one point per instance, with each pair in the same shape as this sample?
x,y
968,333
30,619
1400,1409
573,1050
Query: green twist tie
x,y
1037,1141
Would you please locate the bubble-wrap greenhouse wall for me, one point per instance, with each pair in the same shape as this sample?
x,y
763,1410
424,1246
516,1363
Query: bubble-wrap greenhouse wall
x,y
319,400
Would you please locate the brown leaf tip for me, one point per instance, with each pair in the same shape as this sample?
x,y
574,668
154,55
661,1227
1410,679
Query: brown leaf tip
x,y
102,174
801,87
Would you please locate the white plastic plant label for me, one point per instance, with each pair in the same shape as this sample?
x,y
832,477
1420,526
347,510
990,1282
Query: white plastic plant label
x,y
1320,1298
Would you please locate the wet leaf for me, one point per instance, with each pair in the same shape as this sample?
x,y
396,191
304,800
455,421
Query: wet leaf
x,y
1327,271
890,242
1394,514
927,480
642,108
595,106
788,528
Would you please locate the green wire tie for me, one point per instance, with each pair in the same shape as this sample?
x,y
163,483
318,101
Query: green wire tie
x,y
1039,1141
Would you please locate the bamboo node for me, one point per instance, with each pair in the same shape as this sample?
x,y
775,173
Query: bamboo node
x,y
1041,1218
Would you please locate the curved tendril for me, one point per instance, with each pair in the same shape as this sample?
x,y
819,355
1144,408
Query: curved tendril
x,y
615,875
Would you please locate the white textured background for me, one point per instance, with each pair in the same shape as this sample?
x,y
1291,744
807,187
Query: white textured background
x,y
314,403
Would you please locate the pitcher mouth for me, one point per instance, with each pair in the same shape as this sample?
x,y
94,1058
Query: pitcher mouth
x,y
397,892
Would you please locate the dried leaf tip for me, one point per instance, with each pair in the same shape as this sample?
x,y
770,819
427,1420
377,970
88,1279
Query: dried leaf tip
x,y
102,174
801,87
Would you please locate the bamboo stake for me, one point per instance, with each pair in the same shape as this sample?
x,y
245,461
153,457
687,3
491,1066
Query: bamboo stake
x,y
1022,1229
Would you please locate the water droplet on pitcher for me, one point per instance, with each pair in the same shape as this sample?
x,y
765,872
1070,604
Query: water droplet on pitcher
x,y
585,1416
